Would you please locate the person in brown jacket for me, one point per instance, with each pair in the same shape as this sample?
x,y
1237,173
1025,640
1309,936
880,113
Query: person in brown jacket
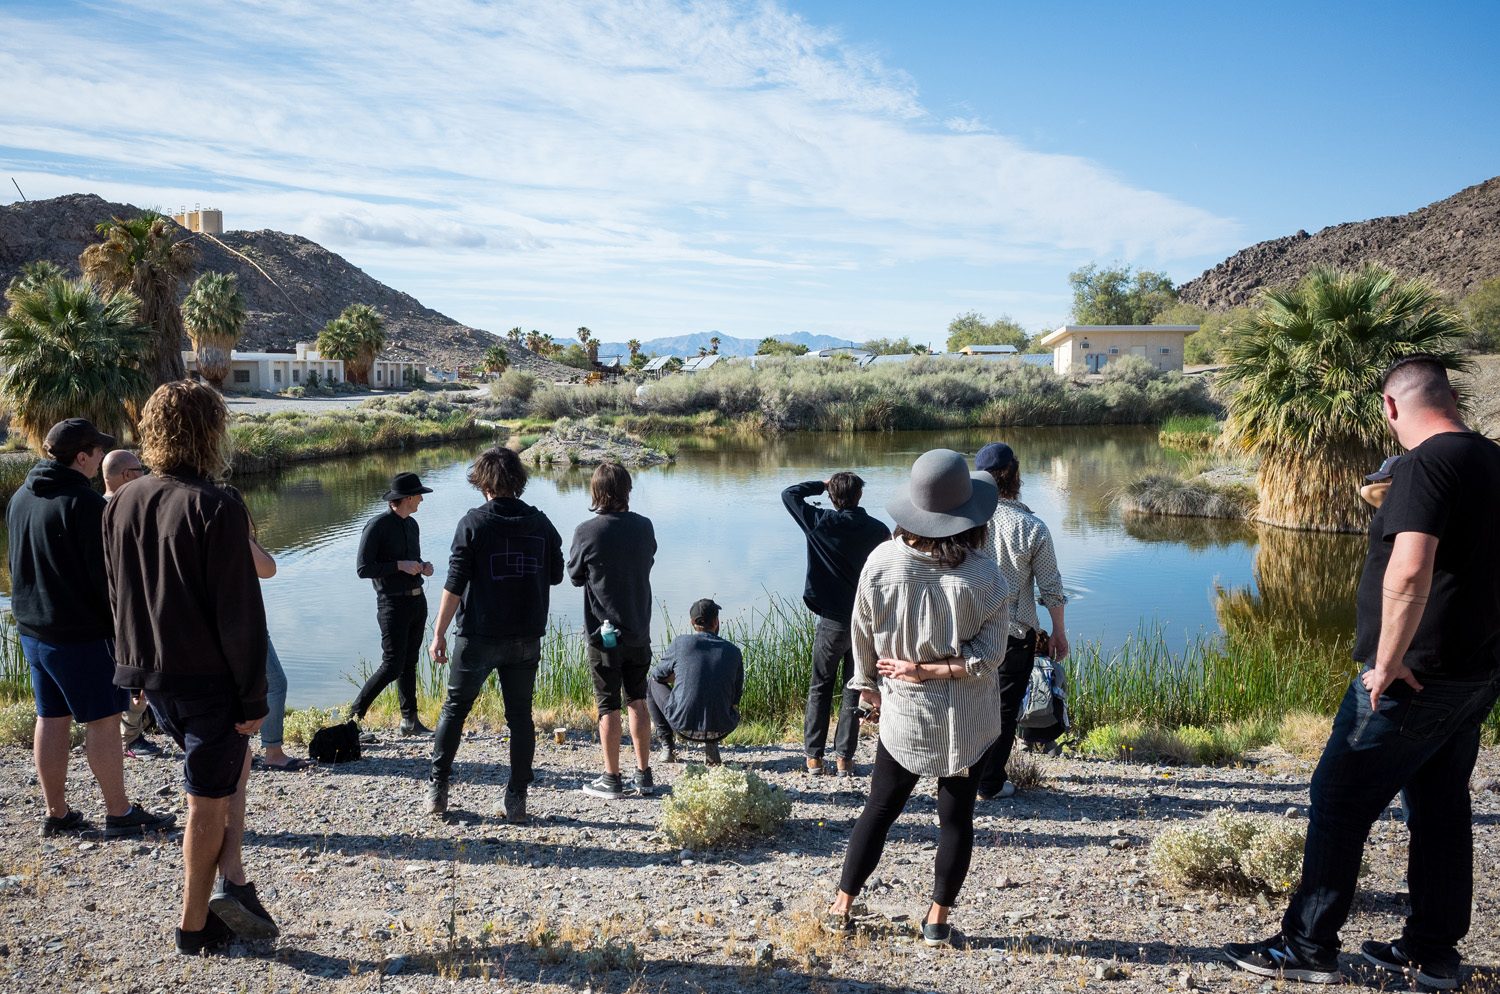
x,y
190,629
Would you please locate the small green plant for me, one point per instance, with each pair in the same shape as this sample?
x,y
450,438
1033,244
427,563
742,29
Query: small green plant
x,y
303,723
1186,745
1190,431
719,805
1232,852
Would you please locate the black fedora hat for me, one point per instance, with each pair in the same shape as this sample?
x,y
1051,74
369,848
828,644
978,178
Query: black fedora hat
x,y
405,485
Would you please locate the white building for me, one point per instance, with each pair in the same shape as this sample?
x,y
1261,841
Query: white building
x,y
1080,349
273,372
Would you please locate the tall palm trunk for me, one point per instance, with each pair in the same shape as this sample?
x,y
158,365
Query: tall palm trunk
x,y
1316,491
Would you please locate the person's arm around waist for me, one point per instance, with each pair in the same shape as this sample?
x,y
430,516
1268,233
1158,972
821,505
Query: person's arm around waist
x,y
239,614
1404,593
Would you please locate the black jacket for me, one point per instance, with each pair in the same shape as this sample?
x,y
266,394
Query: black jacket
x,y
505,556
58,589
838,543
188,613
611,560
387,539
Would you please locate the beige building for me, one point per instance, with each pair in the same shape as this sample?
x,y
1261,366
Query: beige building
x,y
273,372
210,220
1079,349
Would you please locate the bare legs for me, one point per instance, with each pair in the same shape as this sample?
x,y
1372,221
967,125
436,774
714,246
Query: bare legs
x,y
640,737
211,845
50,744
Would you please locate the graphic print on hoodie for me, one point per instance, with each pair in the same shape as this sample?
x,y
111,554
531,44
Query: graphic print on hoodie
x,y
505,556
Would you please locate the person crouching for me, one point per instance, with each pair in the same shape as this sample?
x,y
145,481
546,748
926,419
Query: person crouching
x,y
695,687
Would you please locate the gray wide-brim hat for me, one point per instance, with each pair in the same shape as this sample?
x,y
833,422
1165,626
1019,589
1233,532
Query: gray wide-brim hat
x,y
943,498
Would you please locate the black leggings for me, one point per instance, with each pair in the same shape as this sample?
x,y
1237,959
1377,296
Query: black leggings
x,y
890,786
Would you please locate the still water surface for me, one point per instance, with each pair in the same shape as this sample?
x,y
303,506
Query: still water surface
x,y
723,533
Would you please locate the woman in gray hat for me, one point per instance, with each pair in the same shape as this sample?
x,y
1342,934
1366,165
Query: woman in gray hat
x,y
929,627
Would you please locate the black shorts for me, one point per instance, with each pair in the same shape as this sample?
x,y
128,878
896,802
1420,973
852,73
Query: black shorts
x,y
622,668
203,727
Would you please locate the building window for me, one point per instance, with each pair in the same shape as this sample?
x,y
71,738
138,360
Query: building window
x,y
379,374
1166,351
1115,350
296,376
276,375
242,376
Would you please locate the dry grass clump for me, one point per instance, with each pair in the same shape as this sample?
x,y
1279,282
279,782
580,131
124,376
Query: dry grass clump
x,y
1027,771
1231,852
718,805
1304,734
1166,495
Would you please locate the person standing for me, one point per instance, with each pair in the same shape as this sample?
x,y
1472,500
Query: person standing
x,y
60,599
930,619
695,688
190,628
506,555
1021,546
611,560
838,543
120,467
1427,634
390,557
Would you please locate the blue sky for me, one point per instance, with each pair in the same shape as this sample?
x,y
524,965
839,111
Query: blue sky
x,y
852,168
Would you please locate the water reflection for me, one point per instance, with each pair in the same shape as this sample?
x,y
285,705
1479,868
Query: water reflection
x,y
1304,585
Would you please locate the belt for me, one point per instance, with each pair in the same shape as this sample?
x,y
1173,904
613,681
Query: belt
x,y
402,593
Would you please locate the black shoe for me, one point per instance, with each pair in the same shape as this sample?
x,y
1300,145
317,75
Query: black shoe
x,y
136,821
609,786
143,747
1388,956
212,935
414,726
666,752
643,783
711,754
242,911
71,823
934,935
513,808
1274,958
437,797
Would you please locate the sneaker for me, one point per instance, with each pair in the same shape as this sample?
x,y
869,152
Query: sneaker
x,y
711,754
934,935
143,747
242,911
1274,958
1007,790
136,821
71,823
212,935
643,783
666,753
609,786
414,726
513,808
437,798
1388,956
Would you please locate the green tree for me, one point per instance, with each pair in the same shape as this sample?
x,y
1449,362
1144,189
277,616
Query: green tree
x,y
971,328
1306,370
35,274
891,346
1119,295
146,255
514,336
1216,329
214,314
1481,314
771,345
576,356
496,359
356,336
68,352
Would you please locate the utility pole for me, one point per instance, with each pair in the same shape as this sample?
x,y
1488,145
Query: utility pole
x,y
18,188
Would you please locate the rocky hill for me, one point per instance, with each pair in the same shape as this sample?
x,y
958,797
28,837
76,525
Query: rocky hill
x,y
1454,243
292,286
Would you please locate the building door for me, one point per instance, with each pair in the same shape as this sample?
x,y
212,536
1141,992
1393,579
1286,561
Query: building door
x,y
1094,362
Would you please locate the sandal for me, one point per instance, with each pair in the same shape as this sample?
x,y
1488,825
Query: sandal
x,y
290,766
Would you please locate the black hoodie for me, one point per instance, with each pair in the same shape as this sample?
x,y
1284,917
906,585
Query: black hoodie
x,y
505,556
838,543
59,593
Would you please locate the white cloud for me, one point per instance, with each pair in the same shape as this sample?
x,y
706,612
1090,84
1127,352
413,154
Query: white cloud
x,y
592,144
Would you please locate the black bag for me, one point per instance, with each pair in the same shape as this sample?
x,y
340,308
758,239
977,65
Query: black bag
x,y
335,744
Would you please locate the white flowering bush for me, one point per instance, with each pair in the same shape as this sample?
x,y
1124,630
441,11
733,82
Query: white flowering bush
x,y
718,805
1232,852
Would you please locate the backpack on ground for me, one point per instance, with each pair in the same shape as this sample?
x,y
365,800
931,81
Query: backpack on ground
x,y
335,744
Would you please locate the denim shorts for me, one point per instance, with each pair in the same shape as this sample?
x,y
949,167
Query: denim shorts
x,y
76,679
203,727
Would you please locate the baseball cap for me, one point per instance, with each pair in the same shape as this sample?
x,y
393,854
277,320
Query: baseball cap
x,y
704,612
996,455
1384,472
75,435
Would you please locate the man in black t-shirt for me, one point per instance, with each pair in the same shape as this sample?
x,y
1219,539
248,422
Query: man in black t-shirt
x,y
1428,636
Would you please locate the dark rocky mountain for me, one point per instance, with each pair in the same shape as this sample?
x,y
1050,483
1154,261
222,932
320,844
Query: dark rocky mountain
x,y
292,286
1454,243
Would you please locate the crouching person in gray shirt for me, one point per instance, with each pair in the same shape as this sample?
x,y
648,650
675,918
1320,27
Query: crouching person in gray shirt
x,y
695,688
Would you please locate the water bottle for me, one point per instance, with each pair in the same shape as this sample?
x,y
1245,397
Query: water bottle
x,y
609,634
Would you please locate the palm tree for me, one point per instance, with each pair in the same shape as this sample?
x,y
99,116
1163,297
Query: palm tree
x,y
144,254
713,345
35,274
1306,374
68,352
634,345
514,336
590,344
496,359
214,313
356,336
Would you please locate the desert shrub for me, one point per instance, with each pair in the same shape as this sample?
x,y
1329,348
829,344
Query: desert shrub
x,y
1231,852
1303,734
1166,495
18,722
1027,771
1186,745
718,805
303,723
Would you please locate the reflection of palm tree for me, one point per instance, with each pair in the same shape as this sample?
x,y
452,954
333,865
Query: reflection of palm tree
x,y
1304,584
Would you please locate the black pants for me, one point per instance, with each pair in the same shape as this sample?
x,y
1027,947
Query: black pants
x,y
831,646
514,662
1015,677
657,696
890,786
402,622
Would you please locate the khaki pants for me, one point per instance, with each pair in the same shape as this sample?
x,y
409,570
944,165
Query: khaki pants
x,y
134,717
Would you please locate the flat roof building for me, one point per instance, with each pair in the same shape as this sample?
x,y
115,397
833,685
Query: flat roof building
x,y
1080,349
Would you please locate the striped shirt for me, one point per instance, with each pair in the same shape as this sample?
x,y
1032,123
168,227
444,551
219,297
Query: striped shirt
x,y
1022,547
908,607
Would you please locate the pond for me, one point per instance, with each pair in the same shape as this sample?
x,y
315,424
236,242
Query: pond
x,y
723,533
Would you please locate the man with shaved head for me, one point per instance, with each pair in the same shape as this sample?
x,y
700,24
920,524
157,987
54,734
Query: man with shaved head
x,y
1428,639
120,467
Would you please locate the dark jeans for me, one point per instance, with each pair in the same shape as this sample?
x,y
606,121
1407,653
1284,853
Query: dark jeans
x,y
1423,745
514,662
890,786
657,696
1015,677
831,644
402,622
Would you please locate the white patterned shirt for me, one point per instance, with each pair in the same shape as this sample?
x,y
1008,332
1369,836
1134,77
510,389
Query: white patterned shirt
x,y
1021,546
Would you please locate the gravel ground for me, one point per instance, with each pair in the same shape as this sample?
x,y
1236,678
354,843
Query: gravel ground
x,y
372,895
